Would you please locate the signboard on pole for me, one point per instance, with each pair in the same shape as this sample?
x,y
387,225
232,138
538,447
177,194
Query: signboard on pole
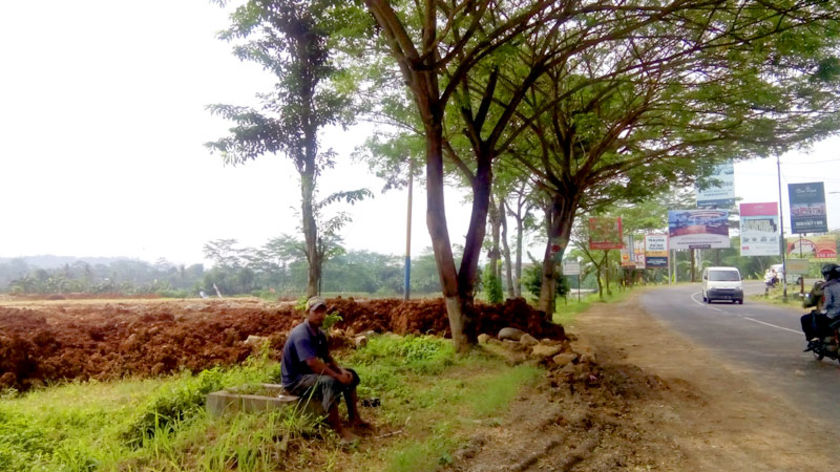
x,y
656,250
721,195
698,229
605,233
639,255
813,247
807,208
571,268
760,229
627,253
797,266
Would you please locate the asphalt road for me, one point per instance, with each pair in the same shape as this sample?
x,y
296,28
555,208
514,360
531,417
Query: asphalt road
x,y
762,341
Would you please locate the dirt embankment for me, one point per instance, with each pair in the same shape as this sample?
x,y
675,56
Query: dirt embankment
x,y
48,341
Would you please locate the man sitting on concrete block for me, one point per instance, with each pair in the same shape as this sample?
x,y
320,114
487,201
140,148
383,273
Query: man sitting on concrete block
x,y
309,371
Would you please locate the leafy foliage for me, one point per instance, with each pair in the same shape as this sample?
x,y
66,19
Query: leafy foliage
x,y
492,287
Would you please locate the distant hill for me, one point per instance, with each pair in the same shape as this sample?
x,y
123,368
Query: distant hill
x,y
48,261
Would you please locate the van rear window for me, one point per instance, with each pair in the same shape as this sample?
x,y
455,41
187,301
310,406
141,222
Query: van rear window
x,y
724,276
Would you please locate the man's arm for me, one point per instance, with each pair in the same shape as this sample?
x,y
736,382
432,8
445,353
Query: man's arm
x,y
831,303
320,367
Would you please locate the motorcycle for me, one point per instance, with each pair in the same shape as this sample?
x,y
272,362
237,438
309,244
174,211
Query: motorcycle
x,y
827,346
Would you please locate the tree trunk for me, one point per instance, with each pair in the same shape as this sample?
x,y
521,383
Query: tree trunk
x,y
494,219
520,229
506,251
472,245
560,215
436,222
310,230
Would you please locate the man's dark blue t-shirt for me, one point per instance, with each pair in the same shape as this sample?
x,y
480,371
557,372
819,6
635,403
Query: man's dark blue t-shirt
x,y
300,346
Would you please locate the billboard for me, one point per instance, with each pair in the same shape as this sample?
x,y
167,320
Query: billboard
x,y
656,250
639,255
627,253
721,195
698,229
571,268
807,208
813,247
605,233
760,229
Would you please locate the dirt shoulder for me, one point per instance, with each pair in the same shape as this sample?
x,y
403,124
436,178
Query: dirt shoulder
x,y
654,401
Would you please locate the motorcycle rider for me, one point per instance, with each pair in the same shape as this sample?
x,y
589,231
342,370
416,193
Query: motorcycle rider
x,y
816,324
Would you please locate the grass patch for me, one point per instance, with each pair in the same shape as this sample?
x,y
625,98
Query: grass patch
x,y
566,311
431,399
775,297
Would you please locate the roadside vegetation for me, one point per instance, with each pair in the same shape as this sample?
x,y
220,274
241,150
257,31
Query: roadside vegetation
x,y
429,399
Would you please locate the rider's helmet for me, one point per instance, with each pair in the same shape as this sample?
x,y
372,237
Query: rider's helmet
x,y
830,271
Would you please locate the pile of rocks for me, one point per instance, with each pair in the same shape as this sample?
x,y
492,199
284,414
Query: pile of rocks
x,y
569,354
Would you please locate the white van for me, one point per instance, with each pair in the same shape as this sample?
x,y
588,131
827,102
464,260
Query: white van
x,y
722,283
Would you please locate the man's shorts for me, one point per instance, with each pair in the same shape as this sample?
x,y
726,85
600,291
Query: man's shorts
x,y
322,387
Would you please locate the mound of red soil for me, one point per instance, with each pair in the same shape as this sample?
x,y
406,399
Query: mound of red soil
x,y
48,342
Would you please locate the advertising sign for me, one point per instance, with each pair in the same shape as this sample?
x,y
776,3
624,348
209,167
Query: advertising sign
x,y
627,253
698,229
813,247
760,229
721,195
639,255
797,266
571,268
807,208
656,250
605,233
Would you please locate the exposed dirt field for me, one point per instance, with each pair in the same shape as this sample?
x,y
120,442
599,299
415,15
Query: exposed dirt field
x,y
653,401
45,341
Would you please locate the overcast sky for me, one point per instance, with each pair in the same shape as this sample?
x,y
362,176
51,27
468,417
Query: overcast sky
x,y
102,125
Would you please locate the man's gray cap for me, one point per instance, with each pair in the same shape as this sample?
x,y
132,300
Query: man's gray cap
x,y
314,303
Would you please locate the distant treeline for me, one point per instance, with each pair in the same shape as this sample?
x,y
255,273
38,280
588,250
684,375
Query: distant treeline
x,y
246,272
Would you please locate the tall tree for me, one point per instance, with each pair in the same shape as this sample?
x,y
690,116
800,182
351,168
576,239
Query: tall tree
x,y
456,55
629,116
291,39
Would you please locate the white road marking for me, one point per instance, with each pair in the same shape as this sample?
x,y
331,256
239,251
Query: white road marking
x,y
703,304
799,333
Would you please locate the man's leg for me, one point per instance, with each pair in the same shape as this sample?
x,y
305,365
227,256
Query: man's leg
x,y
807,322
352,399
335,423
325,389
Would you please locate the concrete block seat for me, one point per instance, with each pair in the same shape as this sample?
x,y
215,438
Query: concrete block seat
x,y
262,397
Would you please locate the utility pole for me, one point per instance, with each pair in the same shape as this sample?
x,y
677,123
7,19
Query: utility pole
x,y
782,230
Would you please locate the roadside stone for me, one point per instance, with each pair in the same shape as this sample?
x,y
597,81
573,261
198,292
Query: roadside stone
x,y
550,342
588,358
515,346
572,369
541,351
528,340
564,358
512,334
482,338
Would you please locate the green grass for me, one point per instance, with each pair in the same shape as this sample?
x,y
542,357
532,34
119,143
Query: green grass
x,y
775,297
430,397
567,311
